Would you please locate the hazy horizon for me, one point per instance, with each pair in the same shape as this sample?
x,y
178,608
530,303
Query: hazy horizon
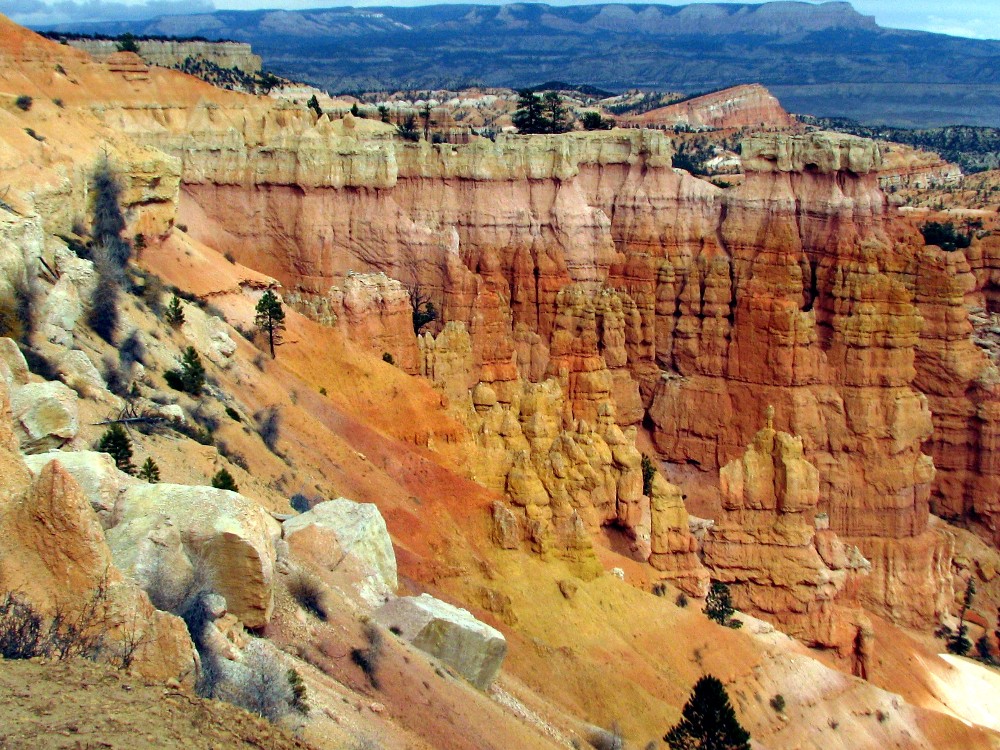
x,y
975,20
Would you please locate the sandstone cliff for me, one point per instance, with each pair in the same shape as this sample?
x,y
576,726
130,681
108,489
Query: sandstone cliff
x,y
171,54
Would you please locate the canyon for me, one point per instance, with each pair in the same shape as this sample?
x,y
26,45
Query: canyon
x,y
800,369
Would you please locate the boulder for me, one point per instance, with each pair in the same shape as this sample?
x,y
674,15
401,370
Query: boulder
x,y
164,534
53,553
347,538
46,415
61,312
96,473
78,372
473,648
13,367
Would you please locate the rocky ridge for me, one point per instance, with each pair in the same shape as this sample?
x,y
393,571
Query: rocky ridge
x,y
748,106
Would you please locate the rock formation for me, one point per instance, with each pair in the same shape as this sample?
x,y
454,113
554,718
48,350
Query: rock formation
x,y
453,635
748,106
54,556
780,557
349,539
172,54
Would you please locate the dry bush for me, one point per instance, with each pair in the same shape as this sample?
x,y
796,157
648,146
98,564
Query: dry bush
x,y
368,658
309,592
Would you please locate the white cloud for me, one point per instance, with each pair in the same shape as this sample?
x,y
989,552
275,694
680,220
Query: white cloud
x,y
40,14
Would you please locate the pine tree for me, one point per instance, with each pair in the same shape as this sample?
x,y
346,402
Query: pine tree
x,y
313,104
149,471
719,606
529,116
223,480
959,643
708,721
192,372
555,113
115,441
174,314
270,318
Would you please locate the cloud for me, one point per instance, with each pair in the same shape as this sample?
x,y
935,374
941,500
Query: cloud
x,y
39,14
973,28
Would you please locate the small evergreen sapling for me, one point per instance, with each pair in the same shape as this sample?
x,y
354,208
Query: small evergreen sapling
x,y
115,441
149,471
174,314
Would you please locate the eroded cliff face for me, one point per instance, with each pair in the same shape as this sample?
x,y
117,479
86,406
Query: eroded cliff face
x,y
778,553
586,259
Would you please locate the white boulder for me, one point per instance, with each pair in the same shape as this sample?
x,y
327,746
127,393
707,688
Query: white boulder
x,y
474,649
344,537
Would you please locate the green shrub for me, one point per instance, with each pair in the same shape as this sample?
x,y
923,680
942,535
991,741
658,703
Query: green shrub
x,y
192,372
944,235
223,480
648,473
149,471
174,314
300,696
115,441
719,606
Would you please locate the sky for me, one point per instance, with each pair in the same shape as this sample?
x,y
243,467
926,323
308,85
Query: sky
x,y
978,19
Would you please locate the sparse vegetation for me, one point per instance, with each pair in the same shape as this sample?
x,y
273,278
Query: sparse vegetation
x,y
223,480
423,308
708,721
115,442
308,591
648,473
300,695
103,315
23,102
368,658
959,642
388,358
681,600
778,703
269,426
719,606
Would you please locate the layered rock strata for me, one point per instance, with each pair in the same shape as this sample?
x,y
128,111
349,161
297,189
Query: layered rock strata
x,y
587,259
778,554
